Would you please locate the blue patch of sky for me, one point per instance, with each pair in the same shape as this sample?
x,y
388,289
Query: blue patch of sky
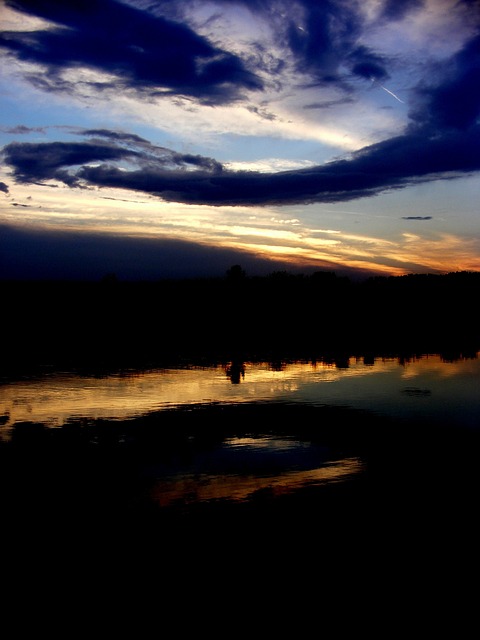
x,y
235,147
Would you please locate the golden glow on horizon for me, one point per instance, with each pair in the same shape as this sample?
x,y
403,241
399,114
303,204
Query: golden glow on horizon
x,y
276,234
431,252
115,211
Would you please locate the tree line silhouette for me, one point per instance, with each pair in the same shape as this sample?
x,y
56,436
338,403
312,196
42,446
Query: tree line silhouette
x,y
278,316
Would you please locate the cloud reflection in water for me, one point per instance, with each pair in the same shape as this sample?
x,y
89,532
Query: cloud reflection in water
x,y
241,469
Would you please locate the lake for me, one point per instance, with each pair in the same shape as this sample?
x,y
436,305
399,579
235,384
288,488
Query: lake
x,y
266,453
419,387
355,466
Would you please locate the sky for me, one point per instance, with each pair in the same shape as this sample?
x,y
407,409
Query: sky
x,y
155,138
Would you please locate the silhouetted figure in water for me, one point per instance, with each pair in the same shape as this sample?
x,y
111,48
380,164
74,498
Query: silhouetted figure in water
x,y
235,371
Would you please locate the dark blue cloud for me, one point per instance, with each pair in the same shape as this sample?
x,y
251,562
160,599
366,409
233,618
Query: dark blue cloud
x,y
442,137
367,64
69,161
398,9
34,162
22,129
324,43
320,49
398,162
156,53
143,51
147,153
153,51
4,187
322,38
453,101
118,136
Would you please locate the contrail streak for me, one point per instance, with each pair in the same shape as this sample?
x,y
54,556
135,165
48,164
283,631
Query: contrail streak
x,y
391,93
387,90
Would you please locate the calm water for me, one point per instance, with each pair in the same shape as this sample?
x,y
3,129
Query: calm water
x,y
425,387
239,467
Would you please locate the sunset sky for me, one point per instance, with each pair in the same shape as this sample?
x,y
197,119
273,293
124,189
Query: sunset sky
x,y
154,138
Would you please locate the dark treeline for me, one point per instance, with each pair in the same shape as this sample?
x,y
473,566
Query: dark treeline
x,y
281,316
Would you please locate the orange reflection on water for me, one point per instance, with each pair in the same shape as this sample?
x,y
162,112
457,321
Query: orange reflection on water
x,y
377,383
191,488
55,399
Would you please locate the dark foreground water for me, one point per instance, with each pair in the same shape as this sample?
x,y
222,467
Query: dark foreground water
x,y
360,480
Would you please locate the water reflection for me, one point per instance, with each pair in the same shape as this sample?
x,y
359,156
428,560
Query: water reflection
x,y
239,433
235,371
240,468
424,386
186,487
